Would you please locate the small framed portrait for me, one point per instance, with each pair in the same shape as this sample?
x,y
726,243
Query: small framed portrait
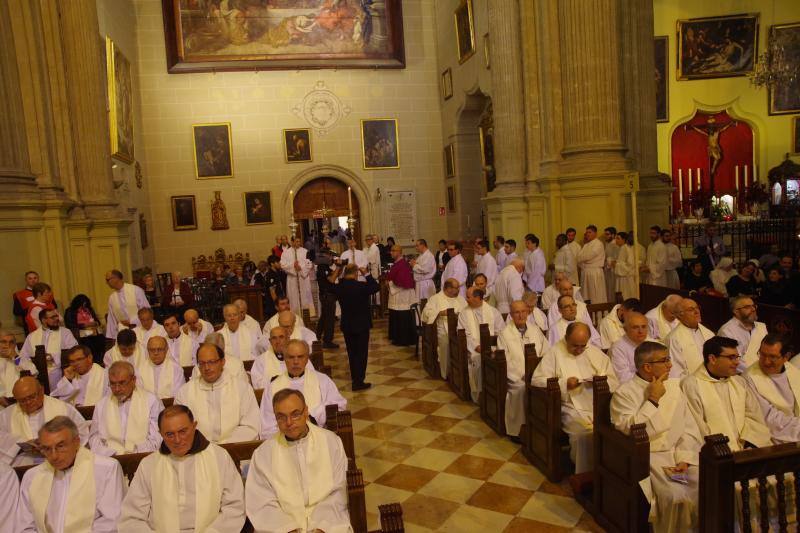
x,y
212,150
379,143
297,145
450,160
717,47
120,102
661,45
796,135
451,198
465,30
447,84
257,208
184,213
784,99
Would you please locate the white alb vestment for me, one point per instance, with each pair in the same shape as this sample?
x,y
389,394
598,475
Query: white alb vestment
x,y
470,319
660,327
268,365
656,262
272,323
124,304
535,269
241,343
513,342
87,389
127,427
686,348
508,288
9,487
252,323
144,335
298,283
612,253
565,262
183,350
779,398
558,330
53,340
456,268
299,485
611,328
674,438
374,260
621,354
625,272
674,262
436,304
199,337
535,319
748,340
163,380
357,257
424,270
576,247
577,414
551,295
113,355
10,372
487,266
591,260
501,258
554,313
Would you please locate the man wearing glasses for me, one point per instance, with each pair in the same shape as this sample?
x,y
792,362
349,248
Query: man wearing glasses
x,y
84,381
159,373
685,342
652,398
567,315
744,329
776,386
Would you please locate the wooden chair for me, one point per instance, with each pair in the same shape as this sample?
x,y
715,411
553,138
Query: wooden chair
x,y
417,309
86,411
620,462
318,359
341,423
458,374
430,357
598,311
494,377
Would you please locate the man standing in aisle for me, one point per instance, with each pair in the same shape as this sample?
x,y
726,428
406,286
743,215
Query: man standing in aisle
x,y
298,269
123,304
456,267
591,260
424,267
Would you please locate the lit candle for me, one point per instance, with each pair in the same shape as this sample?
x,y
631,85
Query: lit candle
x,y
690,182
755,173
737,177
745,176
350,200
291,205
699,178
680,187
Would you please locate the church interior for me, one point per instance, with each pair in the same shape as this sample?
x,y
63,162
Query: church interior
x,y
185,142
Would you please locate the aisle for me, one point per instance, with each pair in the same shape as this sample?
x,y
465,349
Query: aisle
x,y
419,445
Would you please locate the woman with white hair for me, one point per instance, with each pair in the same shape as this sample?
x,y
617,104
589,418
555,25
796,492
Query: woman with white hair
x,y
721,274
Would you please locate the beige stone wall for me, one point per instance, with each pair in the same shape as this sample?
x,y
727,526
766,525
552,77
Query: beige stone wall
x,y
259,106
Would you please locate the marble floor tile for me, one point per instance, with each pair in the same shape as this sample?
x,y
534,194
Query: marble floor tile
x,y
494,448
371,413
406,477
436,423
517,475
524,525
379,430
453,443
500,498
551,509
373,468
456,410
469,518
392,451
420,406
393,403
451,487
413,394
474,467
472,429
403,418
440,396
428,511
415,436
432,459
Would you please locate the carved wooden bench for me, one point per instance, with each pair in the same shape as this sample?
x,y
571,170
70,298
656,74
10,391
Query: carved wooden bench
x,y
458,358
430,355
494,378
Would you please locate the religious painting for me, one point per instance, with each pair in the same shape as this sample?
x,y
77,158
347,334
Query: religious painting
x,y
120,102
785,99
143,230
717,47
465,30
661,45
184,213
447,84
213,36
486,137
257,208
297,145
451,198
212,150
450,160
796,135
379,143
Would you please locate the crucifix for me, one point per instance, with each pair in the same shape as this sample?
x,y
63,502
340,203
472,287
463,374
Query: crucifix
x,y
712,130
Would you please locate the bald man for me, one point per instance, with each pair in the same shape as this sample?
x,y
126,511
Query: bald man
x,y
612,327
662,318
288,321
552,292
196,327
159,373
508,287
686,341
436,312
623,350
147,327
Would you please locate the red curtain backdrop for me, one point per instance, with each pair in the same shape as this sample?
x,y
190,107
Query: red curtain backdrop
x,y
690,151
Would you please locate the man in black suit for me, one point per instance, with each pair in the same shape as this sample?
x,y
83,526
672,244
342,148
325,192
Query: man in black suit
x,y
354,299
442,257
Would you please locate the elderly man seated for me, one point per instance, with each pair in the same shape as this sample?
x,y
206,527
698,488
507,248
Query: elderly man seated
x,y
246,319
127,348
288,321
470,318
612,327
147,327
189,485
663,318
745,329
297,479
512,339
553,291
271,363
656,400
436,312
776,386
54,338
240,341
568,314
159,374
84,381
508,286
75,490
317,388
282,304
685,342
565,288
196,327
23,420
575,362
224,404
124,421
622,351
535,315
11,366
181,347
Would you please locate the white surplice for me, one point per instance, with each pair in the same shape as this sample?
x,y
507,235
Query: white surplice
x,y
748,340
551,295
487,266
656,262
674,262
501,258
612,252
242,343
470,319
100,435
564,261
436,304
168,376
591,260
143,335
125,310
9,488
778,396
557,331
621,354
357,257
625,273
508,288
424,270
535,269
75,391
328,394
10,372
611,328
660,327
298,283
686,348
272,323
199,337
456,268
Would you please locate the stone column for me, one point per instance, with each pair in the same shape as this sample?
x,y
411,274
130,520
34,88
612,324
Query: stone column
x,y
508,93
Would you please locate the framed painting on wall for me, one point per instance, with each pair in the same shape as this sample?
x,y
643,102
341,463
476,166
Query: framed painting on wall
x,y
449,161
184,213
717,47
379,143
297,145
661,45
447,84
204,36
785,99
465,30
212,150
120,102
796,135
451,198
257,208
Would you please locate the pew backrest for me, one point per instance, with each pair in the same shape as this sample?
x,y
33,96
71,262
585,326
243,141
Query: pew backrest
x,y
597,312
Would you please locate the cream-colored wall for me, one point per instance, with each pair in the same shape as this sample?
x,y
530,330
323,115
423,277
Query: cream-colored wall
x,y
259,106
773,135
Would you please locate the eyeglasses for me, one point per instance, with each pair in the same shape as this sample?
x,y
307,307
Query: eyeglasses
x,y
28,399
202,364
771,358
294,416
730,357
61,447
660,361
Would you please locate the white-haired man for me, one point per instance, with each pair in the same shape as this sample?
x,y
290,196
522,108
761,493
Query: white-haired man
x,y
470,319
745,328
663,317
436,312
508,286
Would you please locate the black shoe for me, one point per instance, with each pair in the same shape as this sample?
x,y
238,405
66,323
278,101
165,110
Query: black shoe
x,y
331,345
362,386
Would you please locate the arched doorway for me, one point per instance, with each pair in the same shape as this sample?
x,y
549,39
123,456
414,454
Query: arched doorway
x,y
322,206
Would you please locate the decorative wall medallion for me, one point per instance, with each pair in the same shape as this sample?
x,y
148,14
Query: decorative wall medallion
x,y
321,109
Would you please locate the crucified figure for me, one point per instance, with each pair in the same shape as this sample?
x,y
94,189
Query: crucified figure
x,y
713,131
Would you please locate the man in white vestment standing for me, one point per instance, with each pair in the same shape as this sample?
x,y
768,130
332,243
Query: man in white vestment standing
x,y
297,478
508,287
674,260
591,261
240,341
652,398
436,312
745,329
127,348
196,327
159,373
571,233
147,327
125,421
470,318
564,260
685,342
512,339
612,252
11,366
84,382
298,268
224,404
501,257
456,267
622,351
485,264
656,260
354,256
190,484
568,314
424,269
182,348
124,303
535,264
74,491
662,318
612,327
374,261
54,338
575,362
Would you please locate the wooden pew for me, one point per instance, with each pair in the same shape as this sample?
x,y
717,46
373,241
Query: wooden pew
x,y
341,423
306,314
39,361
86,411
620,462
318,359
187,372
458,375
494,377
248,365
598,311
430,357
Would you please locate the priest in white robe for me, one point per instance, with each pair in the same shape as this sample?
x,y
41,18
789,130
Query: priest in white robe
x,y
552,292
436,312
240,341
508,287
424,268
159,373
9,486
124,303
512,340
282,304
565,288
575,362
612,327
612,253
196,327
501,257
23,420
84,382
591,260
233,365
224,404
535,315
568,314
662,318
685,342
564,260
456,267
125,420
298,269
318,389
75,490
147,327
271,362
674,260
655,264
485,264
11,365
181,347
297,478
622,351
652,398
355,256
246,319
54,338
189,485
535,264
127,348
745,329
288,321
374,262
470,318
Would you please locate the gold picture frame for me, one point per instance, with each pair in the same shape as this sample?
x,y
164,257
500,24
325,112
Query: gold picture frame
x,y
451,198
447,84
795,135
213,150
184,212
450,161
297,145
257,208
380,144
120,103
785,99
465,31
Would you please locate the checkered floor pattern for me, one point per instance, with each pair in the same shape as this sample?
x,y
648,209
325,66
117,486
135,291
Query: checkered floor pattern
x,y
419,445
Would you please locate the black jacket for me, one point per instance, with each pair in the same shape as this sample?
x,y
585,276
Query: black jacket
x,y
353,296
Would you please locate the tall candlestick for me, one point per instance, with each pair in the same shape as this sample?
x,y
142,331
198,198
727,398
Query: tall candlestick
x,y
350,200
291,204
680,188
698,178
737,178
690,182
745,176
755,173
